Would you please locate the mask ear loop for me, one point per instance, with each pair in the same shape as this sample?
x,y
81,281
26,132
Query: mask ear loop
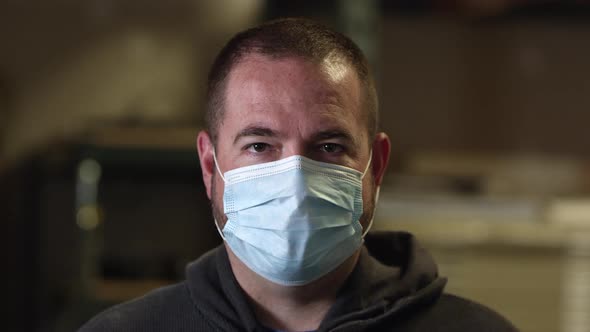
x,y
376,195
374,210
368,164
220,174
219,229
217,166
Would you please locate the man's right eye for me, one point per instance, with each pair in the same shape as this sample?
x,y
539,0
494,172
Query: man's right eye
x,y
257,147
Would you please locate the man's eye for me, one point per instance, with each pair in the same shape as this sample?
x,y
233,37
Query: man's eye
x,y
331,148
257,147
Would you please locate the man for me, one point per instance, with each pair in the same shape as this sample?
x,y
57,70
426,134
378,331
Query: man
x,y
292,163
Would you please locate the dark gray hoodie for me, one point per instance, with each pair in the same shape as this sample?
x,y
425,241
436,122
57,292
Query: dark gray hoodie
x,y
394,287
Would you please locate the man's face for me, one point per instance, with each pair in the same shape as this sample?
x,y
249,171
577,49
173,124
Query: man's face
x,y
276,108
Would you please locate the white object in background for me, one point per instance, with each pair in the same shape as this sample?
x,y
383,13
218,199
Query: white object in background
x,y
575,315
570,212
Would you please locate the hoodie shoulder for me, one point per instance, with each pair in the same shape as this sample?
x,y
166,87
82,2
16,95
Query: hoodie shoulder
x,y
159,310
454,313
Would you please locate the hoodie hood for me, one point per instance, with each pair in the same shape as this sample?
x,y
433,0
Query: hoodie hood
x,y
393,274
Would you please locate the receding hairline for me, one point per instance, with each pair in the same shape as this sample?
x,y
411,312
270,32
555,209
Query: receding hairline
x,y
264,40
365,104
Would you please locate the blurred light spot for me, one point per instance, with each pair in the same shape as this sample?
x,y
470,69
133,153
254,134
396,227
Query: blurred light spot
x,y
88,217
89,171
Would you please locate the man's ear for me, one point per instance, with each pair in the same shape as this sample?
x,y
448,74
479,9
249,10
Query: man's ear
x,y
206,149
381,151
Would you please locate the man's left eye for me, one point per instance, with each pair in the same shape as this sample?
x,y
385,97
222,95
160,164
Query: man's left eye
x,y
258,147
332,148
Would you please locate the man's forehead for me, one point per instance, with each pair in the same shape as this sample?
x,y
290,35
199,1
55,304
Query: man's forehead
x,y
258,79
261,88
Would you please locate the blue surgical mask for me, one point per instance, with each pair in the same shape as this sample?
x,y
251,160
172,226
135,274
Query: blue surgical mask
x,y
294,220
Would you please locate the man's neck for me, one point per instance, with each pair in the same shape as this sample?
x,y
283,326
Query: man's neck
x,y
291,308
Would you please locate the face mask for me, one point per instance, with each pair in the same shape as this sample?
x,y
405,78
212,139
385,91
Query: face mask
x,y
293,220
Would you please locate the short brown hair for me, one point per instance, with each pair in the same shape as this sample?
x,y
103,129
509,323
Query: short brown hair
x,y
283,38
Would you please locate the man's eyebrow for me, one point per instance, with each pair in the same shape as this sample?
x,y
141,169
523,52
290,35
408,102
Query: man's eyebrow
x,y
255,131
334,133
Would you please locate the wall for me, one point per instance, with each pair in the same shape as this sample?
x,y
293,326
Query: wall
x,y
504,86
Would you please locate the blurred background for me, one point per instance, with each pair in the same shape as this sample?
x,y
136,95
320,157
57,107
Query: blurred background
x,y
487,104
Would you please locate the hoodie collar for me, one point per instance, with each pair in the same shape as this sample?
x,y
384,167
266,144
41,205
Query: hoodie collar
x,y
216,294
392,269
393,272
